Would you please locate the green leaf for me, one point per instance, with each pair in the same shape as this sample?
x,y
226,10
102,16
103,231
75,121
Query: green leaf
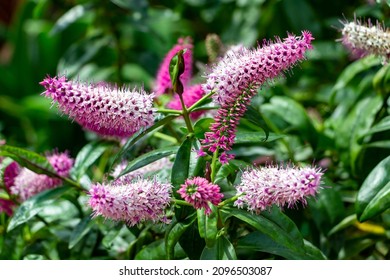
x,y
182,163
294,114
71,16
33,161
255,137
207,225
274,224
381,80
80,53
222,250
87,156
258,241
353,70
383,125
131,5
81,230
147,158
175,232
137,136
232,167
374,195
31,207
256,118
346,222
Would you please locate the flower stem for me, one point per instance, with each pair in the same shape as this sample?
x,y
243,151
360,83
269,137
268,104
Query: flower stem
x,y
229,200
169,111
181,202
190,109
214,165
186,115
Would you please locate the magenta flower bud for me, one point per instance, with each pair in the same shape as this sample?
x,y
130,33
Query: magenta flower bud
x,y
131,201
263,187
190,96
104,109
364,38
163,80
236,79
199,192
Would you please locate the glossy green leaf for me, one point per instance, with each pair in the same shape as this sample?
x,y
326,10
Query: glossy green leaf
x,y
255,137
258,241
81,230
222,250
87,156
353,70
361,118
31,207
256,118
80,53
294,114
374,195
383,125
272,223
175,232
33,161
71,16
148,158
231,168
381,80
181,164
207,225
345,223
139,135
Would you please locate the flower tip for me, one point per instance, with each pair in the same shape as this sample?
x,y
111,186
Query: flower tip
x,y
307,36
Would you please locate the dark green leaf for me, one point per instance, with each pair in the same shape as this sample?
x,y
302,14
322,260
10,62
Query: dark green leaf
x,y
87,156
274,224
70,17
174,233
255,137
207,225
137,136
345,223
256,118
222,250
33,161
258,241
374,195
81,230
147,158
383,125
353,70
31,207
181,164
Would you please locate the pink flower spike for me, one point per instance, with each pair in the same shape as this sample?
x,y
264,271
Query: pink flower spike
x,y
102,108
236,80
263,187
163,79
199,192
131,201
365,38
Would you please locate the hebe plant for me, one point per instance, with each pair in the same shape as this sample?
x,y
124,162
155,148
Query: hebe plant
x,y
172,186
